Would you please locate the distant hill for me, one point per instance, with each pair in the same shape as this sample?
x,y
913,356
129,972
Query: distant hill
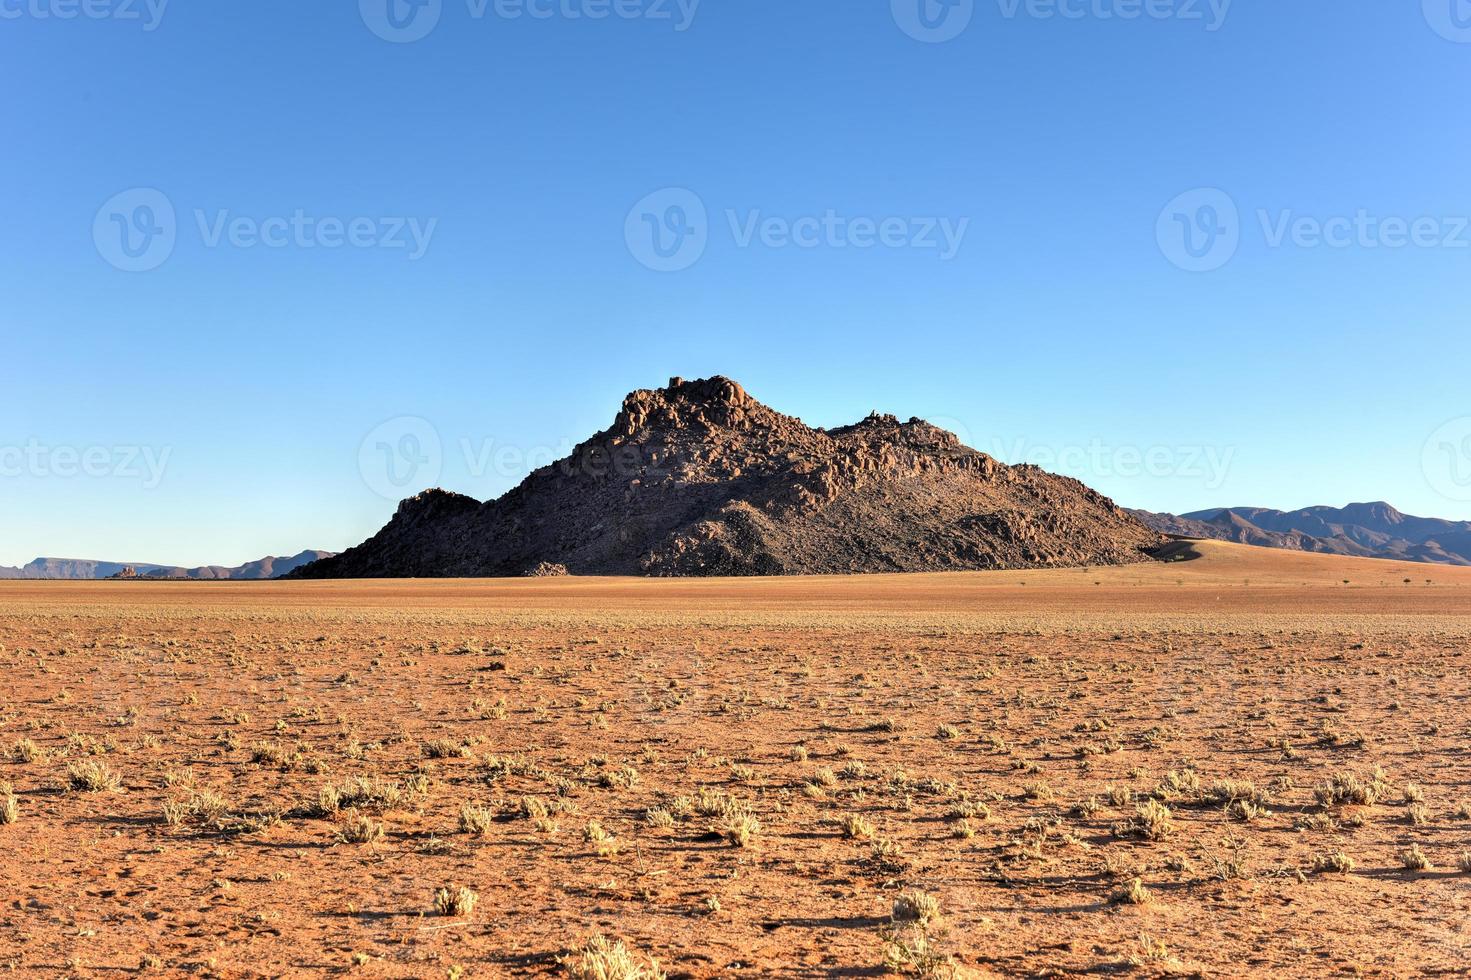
x,y
73,568
1373,530
699,478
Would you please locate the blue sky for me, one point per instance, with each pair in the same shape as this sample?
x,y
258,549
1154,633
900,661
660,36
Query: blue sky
x,y
291,337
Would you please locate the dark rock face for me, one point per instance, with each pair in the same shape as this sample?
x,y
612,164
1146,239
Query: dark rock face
x,y
699,478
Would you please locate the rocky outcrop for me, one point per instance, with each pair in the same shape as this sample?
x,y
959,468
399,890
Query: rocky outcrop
x,y
699,478
546,569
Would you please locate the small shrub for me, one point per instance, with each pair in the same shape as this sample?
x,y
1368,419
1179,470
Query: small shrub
x,y
1132,893
916,906
1333,861
1347,787
359,828
1414,859
1152,821
741,829
857,827
444,748
1245,811
476,820
456,901
92,777
604,959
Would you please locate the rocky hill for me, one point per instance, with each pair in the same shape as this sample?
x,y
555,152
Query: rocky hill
x,y
699,478
1372,530
74,568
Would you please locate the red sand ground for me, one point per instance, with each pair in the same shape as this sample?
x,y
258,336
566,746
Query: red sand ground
x,y
985,738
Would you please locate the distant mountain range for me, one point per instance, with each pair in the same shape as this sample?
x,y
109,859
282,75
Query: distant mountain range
x,y
1374,530
72,568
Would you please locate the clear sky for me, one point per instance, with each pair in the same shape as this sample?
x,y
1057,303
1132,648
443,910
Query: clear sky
x,y
247,244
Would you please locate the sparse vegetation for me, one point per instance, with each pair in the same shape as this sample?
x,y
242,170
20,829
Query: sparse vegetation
x,y
1132,892
455,900
92,777
298,771
604,959
1414,859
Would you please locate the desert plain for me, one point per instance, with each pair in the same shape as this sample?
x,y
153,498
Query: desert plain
x,y
1242,762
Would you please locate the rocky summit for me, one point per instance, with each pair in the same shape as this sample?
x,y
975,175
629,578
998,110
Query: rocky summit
x,y
699,478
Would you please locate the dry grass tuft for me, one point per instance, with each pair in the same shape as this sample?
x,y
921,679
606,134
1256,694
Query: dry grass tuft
x,y
916,906
458,901
476,820
604,959
1336,862
1152,821
857,827
359,828
1414,859
1131,893
92,777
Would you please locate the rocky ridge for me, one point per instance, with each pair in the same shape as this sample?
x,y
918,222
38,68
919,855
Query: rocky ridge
x,y
699,478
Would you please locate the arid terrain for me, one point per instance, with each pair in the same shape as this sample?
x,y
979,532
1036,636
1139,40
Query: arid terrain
x,y
1253,762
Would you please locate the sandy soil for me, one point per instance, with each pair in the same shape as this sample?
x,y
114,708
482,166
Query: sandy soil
x,y
741,778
